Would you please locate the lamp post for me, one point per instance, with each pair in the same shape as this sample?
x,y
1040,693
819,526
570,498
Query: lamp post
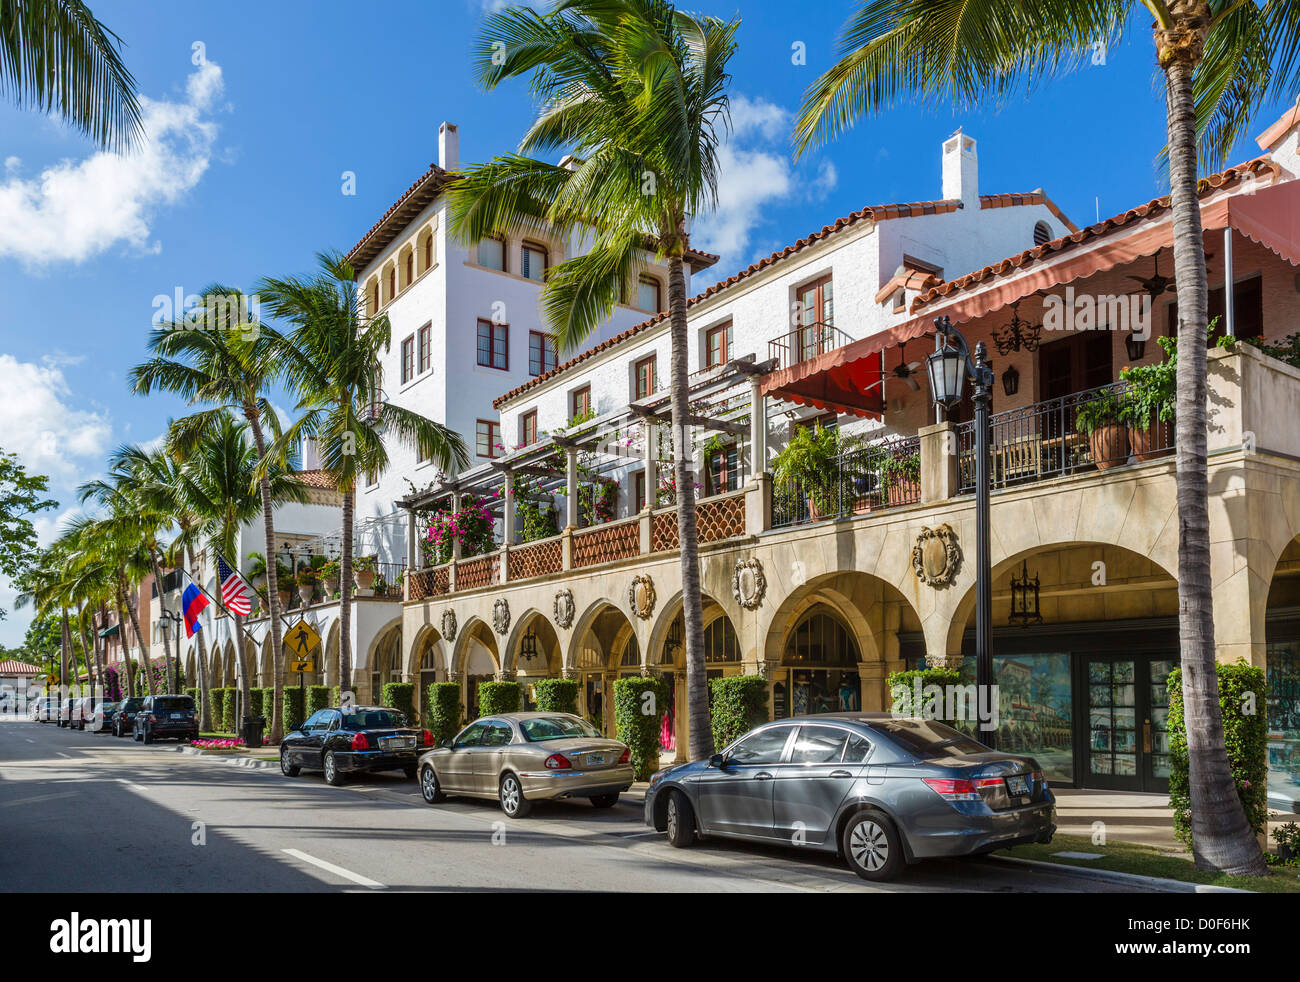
x,y
170,617
949,367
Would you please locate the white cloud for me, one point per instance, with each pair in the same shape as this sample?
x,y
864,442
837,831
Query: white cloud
x,y
76,209
38,423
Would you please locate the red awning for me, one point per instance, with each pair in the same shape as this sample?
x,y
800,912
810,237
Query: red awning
x,y
850,379
1270,217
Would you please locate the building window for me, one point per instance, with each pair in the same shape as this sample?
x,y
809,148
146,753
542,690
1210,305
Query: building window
x,y
408,268
541,353
640,490
648,295
816,317
492,254
392,282
408,359
528,427
424,348
493,345
723,473
533,261
487,438
646,378
720,643
372,478
580,402
1042,233
426,250
372,297
718,343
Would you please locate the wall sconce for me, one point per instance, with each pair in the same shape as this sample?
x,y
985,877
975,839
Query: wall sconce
x,y
1024,598
1135,346
528,646
1011,380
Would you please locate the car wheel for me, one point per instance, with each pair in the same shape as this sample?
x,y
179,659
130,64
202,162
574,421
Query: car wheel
x,y
286,768
513,802
871,846
332,773
604,800
430,789
147,737
681,820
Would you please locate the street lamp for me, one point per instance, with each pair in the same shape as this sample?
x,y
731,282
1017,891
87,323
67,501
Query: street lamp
x,y
170,617
949,367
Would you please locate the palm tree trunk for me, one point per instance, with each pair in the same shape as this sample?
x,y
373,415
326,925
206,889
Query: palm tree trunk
x,y
697,693
128,663
85,644
170,679
272,586
345,599
144,650
1221,837
101,646
66,647
205,702
241,670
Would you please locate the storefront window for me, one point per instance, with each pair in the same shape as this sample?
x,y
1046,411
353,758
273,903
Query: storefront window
x,y
822,658
1034,709
1283,702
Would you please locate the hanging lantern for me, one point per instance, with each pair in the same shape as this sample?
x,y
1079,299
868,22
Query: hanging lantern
x,y
528,646
1135,346
1024,598
1011,380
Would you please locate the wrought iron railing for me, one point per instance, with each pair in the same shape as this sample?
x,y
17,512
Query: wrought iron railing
x,y
804,342
1092,429
878,475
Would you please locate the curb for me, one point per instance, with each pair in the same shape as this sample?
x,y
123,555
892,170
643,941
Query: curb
x,y
248,762
1169,886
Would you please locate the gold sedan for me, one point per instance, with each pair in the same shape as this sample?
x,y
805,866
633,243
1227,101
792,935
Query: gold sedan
x,y
519,758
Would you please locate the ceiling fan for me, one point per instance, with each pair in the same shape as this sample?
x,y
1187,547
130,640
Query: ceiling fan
x,y
1155,284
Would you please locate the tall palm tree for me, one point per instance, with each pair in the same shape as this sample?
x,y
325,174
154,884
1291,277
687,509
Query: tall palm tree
x,y
636,92
219,481
230,364
1220,60
55,56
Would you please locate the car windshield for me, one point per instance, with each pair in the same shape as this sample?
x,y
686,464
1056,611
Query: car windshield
x,y
373,719
134,703
928,739
173,703
556,728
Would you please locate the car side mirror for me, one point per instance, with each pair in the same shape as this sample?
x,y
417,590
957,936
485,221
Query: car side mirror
x,y
447,744
719,761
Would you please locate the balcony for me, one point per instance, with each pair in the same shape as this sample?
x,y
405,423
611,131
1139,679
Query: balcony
x,y
885,474
804,343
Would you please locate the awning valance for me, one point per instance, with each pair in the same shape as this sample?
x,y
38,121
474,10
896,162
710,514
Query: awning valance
x,y
108,631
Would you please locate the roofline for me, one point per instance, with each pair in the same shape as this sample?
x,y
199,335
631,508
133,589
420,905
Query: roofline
x,y
398,216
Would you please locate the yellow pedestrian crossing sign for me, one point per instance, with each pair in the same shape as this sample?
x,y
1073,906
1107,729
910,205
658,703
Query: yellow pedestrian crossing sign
x,y
300,644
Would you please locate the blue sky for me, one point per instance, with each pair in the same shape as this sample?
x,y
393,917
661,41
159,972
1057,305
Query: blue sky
x,y
242,176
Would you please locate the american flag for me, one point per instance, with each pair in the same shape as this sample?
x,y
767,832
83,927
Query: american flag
x,y
236,594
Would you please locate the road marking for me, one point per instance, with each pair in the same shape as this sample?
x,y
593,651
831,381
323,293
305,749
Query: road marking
x,y
29,739
134,787
336,870
36,798
62,754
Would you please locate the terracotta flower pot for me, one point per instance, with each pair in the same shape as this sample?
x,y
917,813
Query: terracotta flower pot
x,y
284,598
363,578
1147,443
1109,445
331,587
305,594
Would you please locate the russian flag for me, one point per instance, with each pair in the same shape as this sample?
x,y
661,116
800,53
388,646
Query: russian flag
x,y
192,603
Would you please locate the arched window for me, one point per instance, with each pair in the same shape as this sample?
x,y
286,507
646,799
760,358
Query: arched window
x,y
631,657
649,297
390,282
425,251
720,644
408,267
372,296
819,639
1042,233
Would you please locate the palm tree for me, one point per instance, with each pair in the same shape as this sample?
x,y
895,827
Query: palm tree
x,y
54,55
219,481
1221,60
331,359
636,92
229,363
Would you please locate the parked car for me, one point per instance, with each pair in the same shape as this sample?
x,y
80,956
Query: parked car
x,y
879,790
341,743
124,718
67,712
45,709
108,712
519,758
166,717
85,711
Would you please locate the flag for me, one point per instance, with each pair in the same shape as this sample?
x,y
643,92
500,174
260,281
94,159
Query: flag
x,y
236,594
192,603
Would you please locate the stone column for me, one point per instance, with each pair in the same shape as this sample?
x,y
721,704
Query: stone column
x,y
757,429
939,477
508,513
571,486
648,452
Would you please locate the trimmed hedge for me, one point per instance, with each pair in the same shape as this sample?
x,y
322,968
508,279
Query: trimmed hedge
x,y
902,688
229,703
498,697
557,695
293,714
216,700
739,705
1242,689
443,716
193,694
318,697
638,708
399,696
255,701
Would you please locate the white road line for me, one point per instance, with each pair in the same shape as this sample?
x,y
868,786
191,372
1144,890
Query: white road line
x,y
36,798
336,870
134,787
62,754
29,739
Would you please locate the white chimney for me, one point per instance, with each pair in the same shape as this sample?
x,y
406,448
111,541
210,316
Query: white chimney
x,y
448,146
961,170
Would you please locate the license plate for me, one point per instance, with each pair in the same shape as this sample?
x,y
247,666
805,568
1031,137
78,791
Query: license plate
x,y
176,715
399,743
594,759
1017,785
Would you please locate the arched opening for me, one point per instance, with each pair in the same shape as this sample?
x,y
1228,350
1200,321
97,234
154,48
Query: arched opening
x,y
332,647
819,664
535,654
372,296
426,660
385,661
1282,669
606,650
405,268
478,661
390,282
722,657
424,251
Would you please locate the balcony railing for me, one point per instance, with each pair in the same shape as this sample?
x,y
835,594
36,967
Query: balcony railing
x,y
807,341
879,475
1046,440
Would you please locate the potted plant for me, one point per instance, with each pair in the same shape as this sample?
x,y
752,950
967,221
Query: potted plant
x,y
1099,420
809,462
257,570
363,574
900,474
284,580
1287,838
329,575
1149,400
306,580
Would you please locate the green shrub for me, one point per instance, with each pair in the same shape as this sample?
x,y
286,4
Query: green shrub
x,y
193,694
318,697
1242,689
217,700
229,705
739,705
399,696
903,688
293,714
557,695
498,697
638,708
268,705
443,716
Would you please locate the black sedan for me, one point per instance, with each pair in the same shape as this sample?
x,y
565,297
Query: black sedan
x,y
879,790
342,742
124,718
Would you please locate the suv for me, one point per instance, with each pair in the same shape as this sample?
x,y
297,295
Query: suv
x,y
167,716
124,718
45,709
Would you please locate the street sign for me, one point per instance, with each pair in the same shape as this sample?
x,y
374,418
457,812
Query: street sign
x,y
303,667
300,642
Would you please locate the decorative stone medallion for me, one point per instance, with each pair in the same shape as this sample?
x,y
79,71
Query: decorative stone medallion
x,y
641,596
748,584
449,624
936,557
565,608
501,615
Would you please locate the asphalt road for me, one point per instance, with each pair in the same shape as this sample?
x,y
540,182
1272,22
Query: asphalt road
x,y
81,811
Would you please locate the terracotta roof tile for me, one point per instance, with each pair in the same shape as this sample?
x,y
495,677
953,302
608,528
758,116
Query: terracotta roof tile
x,y
316,479
12,666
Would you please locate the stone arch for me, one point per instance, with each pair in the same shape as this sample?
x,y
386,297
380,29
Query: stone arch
x,y
610,637
331,647
548,640
428,639
477,631
669,614
384,657
229,678
266,674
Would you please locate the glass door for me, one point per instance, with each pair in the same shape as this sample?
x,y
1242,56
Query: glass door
x,y
1127,746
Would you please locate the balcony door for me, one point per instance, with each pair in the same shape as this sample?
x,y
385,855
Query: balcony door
x,y
816,316
1075,364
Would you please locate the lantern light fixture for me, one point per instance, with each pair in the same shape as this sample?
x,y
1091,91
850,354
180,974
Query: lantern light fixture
x,y
1024,598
